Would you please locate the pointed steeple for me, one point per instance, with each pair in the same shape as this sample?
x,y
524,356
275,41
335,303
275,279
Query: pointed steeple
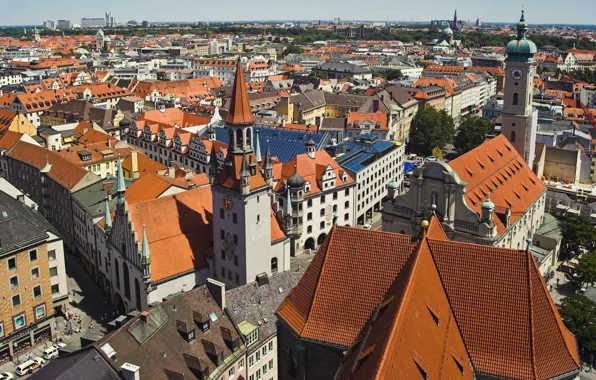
x,y
120,185
258,147
244,173
240,112
108,217
213,167
145,254
268,162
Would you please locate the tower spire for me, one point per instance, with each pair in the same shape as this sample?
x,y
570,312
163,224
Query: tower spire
x,y
145,254
120,186
257,147
289,204
108,217
240,112
213,164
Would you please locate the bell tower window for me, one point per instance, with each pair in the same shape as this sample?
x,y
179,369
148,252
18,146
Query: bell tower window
x,y
239,143
515,101
512,136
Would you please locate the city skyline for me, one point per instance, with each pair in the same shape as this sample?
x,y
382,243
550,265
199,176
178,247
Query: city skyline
x,y
236,10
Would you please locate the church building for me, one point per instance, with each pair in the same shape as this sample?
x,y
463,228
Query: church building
x,y
489,195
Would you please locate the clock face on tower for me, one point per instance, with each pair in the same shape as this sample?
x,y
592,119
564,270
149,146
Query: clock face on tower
x,y
517,74
227,203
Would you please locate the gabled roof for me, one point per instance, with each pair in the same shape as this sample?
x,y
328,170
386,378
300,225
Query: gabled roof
x,y
181,220
508,322
231,178
240,112
151,186
496,167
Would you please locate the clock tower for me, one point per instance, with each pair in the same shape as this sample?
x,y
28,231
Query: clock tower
x,y
518,119
241,202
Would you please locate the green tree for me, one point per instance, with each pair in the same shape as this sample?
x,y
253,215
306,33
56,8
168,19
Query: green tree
x,y
579,315
393,74
318,74
292,49
586,269
471,133
578,233
430,128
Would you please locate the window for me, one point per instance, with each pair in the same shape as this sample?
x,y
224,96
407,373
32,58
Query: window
x,y
309,229
240,363
512,136
12,263
273,267
235,218
515,101
222,234
258,356
35,274
309,216
221,213
231,373
334,208
237,278
335,195
235,239
33,255
264,351
322,212
235,259
55,289
229,274
258,374
322,225
251,361
14,282
322,199
16,300
223,254
347,204
52,255
223,272
347,217
271,361
258,218
309,203
270,345
347,192
54,271
37,291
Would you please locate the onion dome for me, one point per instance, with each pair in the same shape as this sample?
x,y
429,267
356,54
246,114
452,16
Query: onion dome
x,y
124,122
295,181
521,45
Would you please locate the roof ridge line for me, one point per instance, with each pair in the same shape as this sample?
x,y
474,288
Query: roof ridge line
x,y
415,257
530,302
314,299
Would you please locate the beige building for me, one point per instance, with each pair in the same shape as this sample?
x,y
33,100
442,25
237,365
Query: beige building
x,y
16,122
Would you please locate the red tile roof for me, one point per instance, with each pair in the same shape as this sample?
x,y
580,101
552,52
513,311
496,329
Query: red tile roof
x,y
240,112
231,179
496,167
508,322
183,221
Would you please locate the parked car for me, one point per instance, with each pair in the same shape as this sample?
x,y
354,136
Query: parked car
x,y
6,376
50,353
29,365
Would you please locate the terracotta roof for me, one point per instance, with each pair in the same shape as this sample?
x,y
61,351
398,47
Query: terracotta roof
x,y
240,112
312,169
146,165
496,167
181,220
412,327
172,117
276,231
94,136
150,186
508,322
9,138
231,178
63,171
99,152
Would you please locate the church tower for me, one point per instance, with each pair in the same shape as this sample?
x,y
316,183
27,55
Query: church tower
x,y
519,120
241,201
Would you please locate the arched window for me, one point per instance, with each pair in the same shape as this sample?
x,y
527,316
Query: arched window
x,y
117,270
239,139
512,136
515,101
274,265
126,278
249,137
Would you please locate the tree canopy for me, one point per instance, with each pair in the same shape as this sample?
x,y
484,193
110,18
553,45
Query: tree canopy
x,y
389,74
471,133
292,49
430,128
579,315
578,233
586,269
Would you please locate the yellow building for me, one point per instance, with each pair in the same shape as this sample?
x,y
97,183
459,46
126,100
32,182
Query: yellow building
x,y
16,122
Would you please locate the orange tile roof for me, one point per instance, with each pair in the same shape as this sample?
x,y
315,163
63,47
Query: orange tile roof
x,y
312,170
368,117
94,136
146,165
181,220
173,117
509,324
496,167
63,171
9,138
402,334
231,179
276,231
99,151
150,186
240,112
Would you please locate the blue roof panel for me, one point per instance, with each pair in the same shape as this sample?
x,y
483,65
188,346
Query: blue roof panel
x,y
284,145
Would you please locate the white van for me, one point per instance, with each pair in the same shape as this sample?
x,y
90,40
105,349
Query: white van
x,y
50,353
23,368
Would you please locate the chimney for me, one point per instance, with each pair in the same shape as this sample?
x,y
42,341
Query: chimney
x,y
21,198
262,279
134,163
145,317
218,291
171,171
109,142
130,371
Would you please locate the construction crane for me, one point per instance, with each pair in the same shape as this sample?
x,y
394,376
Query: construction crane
x,y
588,115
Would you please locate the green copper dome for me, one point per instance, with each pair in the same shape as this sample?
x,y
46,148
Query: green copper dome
x,y
521,45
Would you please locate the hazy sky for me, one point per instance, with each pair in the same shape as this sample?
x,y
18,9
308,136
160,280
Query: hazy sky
x,y
537,11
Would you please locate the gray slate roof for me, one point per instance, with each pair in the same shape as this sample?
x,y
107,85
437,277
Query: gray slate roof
x,y
93,197
254,303
20,225
83,364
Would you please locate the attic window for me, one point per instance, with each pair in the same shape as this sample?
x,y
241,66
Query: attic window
x,y
470,173
525,187
517,195
490,158
481,165
459,364
500,153
434,316
533,182
508,148
421,370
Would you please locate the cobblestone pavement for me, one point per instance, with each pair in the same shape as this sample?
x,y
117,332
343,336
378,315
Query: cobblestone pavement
x,y
87,301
